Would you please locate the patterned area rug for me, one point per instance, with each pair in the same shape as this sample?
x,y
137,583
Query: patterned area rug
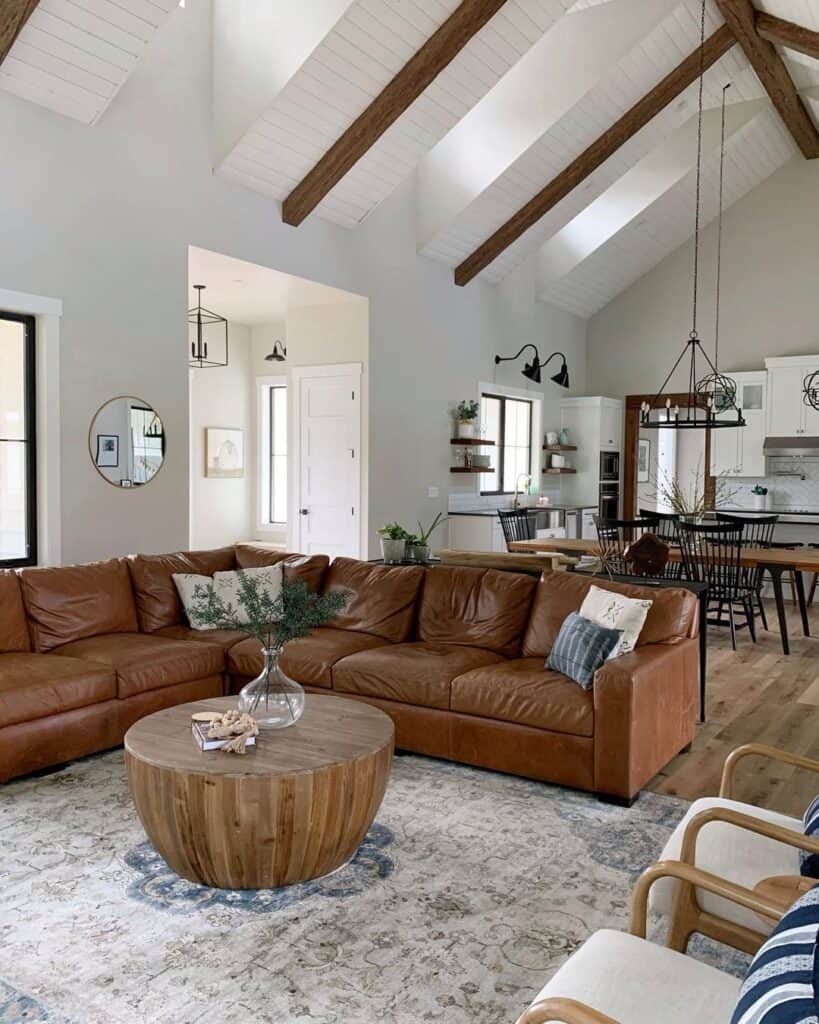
x,y
468,892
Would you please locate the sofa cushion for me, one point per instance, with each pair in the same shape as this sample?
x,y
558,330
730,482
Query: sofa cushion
x,y
524,692
257,556
475,607
309,660
224,638
581,648
38,685
671,617
148,662
13,626
157,600
76,601
383,597
416,673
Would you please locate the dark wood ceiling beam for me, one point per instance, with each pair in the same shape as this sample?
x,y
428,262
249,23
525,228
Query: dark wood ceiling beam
x,y
740,16
785,33
13,16
416,75
716,46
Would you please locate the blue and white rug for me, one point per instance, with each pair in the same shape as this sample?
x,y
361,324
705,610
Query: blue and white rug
x,y
467,894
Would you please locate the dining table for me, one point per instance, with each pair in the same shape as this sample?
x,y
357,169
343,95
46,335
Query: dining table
x,y
775,561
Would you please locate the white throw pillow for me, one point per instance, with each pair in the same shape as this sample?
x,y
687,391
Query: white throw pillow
x,y
226,585
616,611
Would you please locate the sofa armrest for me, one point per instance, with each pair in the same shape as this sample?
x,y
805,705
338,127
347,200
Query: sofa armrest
x,y
645,713
567,1011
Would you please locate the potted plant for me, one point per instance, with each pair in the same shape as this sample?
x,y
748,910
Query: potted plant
x,y
272,698
418,547
393,542
466,414
759,496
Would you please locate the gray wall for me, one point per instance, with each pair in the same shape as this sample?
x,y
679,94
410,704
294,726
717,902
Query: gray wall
x,y
102,217
770,293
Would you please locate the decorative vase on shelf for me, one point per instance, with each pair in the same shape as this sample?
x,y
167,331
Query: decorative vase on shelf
x,y
274,699
466,428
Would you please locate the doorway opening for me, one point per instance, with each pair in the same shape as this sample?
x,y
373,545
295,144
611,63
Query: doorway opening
x,y
662,465
278,436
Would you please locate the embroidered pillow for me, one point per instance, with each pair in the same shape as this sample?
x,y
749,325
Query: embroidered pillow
x,y
780,986
616,611
226,585
581,648
809,862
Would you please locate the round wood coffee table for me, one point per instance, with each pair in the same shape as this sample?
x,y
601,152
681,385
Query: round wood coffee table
x,y
294,807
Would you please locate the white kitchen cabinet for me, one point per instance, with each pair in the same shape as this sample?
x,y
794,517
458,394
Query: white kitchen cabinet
x,y
788,416
738,451
594,425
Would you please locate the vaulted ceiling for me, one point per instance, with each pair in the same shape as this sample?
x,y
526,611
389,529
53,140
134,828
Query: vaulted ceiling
x,y
560,132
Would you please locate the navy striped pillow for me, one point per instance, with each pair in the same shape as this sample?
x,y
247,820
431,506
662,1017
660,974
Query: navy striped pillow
x,y
581,648
781,984
809,862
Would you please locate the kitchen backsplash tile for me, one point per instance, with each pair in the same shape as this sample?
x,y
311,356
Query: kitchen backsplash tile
x,y
786,492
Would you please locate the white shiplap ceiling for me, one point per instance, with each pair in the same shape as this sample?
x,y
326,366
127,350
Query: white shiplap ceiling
x,y
73,55
376,37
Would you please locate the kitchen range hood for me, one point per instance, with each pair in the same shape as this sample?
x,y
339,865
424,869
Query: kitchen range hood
x,y
799,447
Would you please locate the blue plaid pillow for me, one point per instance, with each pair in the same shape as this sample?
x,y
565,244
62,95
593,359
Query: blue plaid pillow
x,y
581,648
781,984
809,862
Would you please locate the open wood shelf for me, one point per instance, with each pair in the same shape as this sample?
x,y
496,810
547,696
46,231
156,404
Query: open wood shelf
x,y
554,469
560,447
471,469
466,442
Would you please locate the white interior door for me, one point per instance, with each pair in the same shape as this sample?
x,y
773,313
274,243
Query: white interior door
x,y
327,461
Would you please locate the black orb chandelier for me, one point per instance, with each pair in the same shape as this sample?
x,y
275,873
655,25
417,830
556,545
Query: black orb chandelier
x,y
712,398
810,390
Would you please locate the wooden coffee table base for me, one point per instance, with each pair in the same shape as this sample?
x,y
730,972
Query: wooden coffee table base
x,y
260,829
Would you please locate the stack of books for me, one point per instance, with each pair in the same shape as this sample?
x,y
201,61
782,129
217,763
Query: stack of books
x,y
200,734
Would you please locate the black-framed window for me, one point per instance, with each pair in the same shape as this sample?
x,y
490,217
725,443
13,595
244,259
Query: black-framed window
x,y
18,441
277,453
508,422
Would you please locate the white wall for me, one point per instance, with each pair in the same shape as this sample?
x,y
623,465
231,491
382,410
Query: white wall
x,y
220,510
102,218
770,298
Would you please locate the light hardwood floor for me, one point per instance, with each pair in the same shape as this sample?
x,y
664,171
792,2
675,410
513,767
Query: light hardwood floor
x,y
757,694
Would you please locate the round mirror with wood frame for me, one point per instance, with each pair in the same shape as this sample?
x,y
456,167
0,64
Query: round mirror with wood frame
x,y
126,442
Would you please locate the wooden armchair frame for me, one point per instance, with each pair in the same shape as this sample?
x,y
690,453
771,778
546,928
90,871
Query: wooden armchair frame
x,y
570,1011
726,789
687,915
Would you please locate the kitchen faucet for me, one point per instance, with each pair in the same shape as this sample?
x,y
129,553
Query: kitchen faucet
x,y
521,476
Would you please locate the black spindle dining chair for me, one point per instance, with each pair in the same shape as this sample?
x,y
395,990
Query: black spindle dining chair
x,y
518,524
616,535
712,554
757,532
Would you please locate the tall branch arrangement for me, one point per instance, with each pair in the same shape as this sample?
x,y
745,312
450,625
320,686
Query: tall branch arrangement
x,y
274,621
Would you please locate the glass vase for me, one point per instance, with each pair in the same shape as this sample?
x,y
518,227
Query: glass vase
x,y
272,698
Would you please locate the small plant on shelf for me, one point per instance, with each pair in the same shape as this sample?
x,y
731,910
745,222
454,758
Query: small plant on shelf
x,y
466,415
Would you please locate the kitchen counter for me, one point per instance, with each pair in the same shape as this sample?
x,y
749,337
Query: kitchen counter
x,y
532,508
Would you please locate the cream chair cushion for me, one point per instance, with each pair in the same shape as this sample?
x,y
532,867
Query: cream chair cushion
x,y
732,853
637,982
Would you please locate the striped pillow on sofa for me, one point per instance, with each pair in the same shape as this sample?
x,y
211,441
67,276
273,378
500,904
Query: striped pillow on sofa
x,y
809,862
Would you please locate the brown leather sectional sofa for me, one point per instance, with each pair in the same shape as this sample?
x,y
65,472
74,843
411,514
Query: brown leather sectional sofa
x,y
456,656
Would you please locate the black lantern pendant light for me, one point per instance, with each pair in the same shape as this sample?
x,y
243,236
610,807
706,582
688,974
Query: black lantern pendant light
x,y
208,335
715,392
532,370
